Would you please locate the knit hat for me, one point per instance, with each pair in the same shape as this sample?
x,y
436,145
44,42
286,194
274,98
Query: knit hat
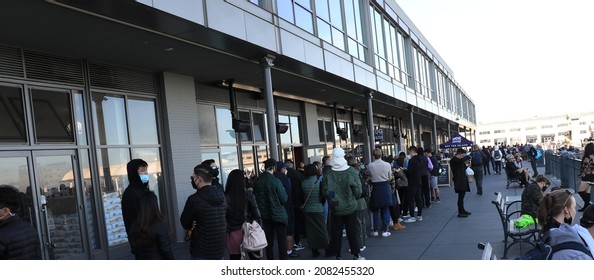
x,y
338,161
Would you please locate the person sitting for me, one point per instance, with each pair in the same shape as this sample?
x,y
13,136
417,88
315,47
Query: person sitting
x,y
533,193
514,172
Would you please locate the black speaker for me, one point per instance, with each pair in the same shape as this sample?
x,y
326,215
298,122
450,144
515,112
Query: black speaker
x,y
342,133
282,128
241,126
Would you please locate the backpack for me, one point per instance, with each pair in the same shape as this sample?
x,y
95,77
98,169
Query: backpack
x,y
497,154
538,154
544,251
477,158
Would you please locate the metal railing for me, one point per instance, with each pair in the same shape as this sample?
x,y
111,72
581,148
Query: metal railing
x,y
564,168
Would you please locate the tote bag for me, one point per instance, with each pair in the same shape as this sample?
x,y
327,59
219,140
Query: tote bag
x,y
254,238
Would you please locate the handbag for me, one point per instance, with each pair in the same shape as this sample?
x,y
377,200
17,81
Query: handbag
x,y
254,238
469,171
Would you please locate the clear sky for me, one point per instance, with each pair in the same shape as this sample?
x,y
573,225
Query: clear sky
x,y
516,59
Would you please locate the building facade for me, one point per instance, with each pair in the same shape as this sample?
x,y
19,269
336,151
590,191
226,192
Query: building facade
x,y
550,132
89,85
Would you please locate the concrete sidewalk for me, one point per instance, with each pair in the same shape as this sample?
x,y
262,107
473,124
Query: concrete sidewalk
x,y
441,235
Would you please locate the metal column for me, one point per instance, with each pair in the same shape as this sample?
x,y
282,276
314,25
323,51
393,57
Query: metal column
x,y
370,127
436,147
412,126
267,63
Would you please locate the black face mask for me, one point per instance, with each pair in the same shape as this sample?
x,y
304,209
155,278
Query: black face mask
x,y
568,220
193,184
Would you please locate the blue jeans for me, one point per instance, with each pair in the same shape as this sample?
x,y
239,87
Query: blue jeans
x,y
385,212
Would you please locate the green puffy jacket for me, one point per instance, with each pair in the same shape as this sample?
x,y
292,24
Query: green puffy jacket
x,y
346,186
271,197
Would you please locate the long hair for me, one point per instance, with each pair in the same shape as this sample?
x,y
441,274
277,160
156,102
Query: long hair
x,y
149,213
552,205
588,150
235,191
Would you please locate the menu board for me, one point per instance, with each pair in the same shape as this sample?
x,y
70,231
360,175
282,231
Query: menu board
x,y
445,176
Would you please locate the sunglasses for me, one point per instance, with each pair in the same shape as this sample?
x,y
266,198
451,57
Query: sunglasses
x,y
570,195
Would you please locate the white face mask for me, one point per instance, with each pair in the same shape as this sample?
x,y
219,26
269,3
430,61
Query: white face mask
x,y
7,215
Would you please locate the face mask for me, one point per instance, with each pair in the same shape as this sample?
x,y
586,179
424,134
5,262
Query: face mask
x,y
568,221
408,157
144,178
193,183
7,215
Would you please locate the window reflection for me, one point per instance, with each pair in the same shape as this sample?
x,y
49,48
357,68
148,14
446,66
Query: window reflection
x,y
79,112
224,126
229,162
12,120
89,201
207,124
52,116
109,118
295,130
245,136
143,122
15,172
259,127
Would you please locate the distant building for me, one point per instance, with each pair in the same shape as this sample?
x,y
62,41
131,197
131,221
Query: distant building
x,y
550,132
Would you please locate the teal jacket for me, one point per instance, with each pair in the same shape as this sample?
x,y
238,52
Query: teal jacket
x,y
346,186
311,195
271,197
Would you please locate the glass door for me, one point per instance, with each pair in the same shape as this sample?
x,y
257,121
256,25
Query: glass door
x,y
60,207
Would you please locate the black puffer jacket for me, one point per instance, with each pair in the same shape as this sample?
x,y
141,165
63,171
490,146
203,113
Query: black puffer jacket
x,y
208,208
18,240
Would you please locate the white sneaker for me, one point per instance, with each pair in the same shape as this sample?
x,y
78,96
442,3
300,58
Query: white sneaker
x,y
419,218
409,220
363,248
359,258
404,217
386,234
374,233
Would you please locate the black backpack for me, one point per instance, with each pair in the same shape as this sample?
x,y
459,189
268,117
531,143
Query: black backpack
x,y
544,251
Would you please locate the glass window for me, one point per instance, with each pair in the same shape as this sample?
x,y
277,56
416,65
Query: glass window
x,y
207,125
322,9
337,38
285,138
321,132
143,122
324,31
259,127
329,132
12,119
229,162
248,160
303,18
109,118
224,128
89,201
335,13
113,179
245,136
262,153
285,9
79,112
295,130
52,113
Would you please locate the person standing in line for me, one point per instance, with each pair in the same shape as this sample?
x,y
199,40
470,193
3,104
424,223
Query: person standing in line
x,y
413,174
477,167
426,177
381,193
281,174
486,161
586,175
532,153
139,180
317,234
241,207
271,198
297,198
461,185
497,155
149,235
18,239
434,176
213,169
206,208
342,187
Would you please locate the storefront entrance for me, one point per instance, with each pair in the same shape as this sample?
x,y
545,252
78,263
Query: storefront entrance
x,y
55,204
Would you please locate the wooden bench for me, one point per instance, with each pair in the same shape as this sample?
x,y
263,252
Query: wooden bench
x,y
487,252
528,234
